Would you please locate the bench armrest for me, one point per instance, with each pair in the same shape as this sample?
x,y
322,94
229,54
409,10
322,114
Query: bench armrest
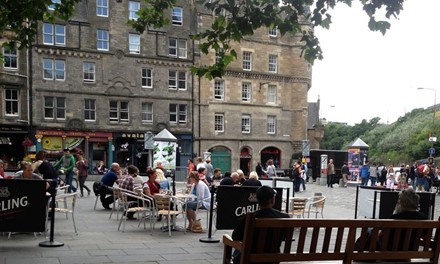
x,y
227,240
229,244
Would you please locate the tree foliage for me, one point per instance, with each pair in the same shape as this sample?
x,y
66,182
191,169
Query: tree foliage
x,y
233,21
404,141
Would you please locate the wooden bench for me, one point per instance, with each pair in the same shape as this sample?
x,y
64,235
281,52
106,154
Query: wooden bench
x,y
322,239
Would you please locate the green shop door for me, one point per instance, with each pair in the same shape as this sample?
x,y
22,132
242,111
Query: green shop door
x,y
221,160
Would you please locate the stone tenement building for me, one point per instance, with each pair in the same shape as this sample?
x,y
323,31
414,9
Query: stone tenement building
x,y
258,110
98,85
14,111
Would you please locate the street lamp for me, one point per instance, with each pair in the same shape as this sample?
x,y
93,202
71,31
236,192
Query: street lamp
x,y
434,107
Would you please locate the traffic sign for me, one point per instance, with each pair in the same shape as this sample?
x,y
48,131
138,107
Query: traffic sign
x,y
431,151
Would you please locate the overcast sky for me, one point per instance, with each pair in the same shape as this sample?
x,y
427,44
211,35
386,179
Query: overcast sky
x,y
365,74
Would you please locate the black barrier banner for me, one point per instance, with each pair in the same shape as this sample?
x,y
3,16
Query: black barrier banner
x,y
234,202
388,201
22,205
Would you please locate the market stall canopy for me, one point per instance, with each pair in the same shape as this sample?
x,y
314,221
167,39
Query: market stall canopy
x,y
165,135
358,143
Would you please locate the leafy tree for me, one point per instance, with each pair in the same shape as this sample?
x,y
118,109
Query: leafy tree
x,y
241,19
404,141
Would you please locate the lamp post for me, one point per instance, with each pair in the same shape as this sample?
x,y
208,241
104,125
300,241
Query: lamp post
x,y
434,107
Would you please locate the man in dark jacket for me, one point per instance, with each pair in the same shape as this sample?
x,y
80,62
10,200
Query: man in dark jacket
x,y
266,200
108,180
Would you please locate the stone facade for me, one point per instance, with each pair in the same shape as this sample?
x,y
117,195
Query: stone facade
x,y
117,79
249,145
90,90
14,98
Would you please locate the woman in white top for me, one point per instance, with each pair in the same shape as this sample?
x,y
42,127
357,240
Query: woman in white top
x,y
201,190
270,170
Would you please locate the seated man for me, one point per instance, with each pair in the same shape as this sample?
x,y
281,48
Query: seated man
x,y
108,180
232,180
266,200
127,183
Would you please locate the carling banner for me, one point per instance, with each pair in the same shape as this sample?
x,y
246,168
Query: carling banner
x,y
22,205
234,202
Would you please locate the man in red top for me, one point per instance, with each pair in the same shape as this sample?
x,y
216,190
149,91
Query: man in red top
x,y
191,166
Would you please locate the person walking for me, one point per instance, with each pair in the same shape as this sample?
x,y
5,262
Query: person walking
x,y
382,172
209,170
373,174
259,169
364,174
330,173
270,170
345,172
191,167
67,163
82,167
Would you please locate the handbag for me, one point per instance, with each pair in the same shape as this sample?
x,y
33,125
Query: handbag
x,y
197,226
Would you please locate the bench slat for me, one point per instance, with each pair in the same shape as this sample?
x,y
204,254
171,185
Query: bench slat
x,y
327,236
314,242
288,240
301,240
339,237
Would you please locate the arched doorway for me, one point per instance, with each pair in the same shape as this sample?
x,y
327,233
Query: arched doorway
x,y
245,160
271,153
221,158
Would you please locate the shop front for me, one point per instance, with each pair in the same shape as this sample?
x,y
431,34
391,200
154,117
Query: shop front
x,y
14,145
246,161
130,150
272,153
95,146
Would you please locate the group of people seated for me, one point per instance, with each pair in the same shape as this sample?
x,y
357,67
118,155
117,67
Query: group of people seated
x,y
156,184
40,169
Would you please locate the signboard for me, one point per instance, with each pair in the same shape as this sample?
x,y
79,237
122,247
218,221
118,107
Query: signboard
x,y
431,151
305,148
22,205
149,140
234,202
165,152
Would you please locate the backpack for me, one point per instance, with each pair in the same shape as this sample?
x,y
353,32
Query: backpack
x,y
295,174
97,187
383,173
421,170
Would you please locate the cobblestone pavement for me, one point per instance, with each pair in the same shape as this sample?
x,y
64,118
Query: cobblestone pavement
x,y
98,240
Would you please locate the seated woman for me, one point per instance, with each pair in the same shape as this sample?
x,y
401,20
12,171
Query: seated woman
x,y
162,180
253,180
201,190
100,167
26,172
151,187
